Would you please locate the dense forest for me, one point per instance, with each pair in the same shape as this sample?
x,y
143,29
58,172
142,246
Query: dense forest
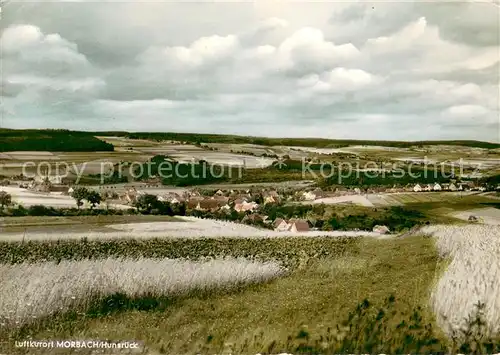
x,y
56,140
305,142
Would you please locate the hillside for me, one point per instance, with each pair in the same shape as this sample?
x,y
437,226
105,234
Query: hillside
x,y
305,142
51,140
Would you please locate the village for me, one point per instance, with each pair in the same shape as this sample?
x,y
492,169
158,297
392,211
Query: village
x,y
245,205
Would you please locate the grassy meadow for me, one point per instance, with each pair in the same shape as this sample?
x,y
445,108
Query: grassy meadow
x,y
326,279
245,296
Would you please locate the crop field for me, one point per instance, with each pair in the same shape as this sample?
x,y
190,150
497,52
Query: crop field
x,y
11,163
126,289
412,198
25,297
26,198
488,215
181,227
471,277
71,224
383,200
245,294
354,199
421,197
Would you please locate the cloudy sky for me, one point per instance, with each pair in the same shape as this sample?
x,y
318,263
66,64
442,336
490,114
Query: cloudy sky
x,y
367,70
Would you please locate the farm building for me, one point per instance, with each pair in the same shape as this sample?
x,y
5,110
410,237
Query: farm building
x,y
293,225
245,206
208,205
280,225
313,195
298,226
271,197
381,229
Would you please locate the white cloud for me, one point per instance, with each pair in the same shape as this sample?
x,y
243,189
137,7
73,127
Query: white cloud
x,y
395,68
29,44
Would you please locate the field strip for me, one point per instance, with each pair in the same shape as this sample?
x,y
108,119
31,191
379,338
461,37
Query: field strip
x,y
24,295
472,276
197,228
355,199
488,215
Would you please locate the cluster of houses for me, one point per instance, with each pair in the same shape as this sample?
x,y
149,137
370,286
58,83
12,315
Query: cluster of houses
x,y
240,202
344,191
448,187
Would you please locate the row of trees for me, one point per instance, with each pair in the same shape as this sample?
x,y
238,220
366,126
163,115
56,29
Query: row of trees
x,y
81,194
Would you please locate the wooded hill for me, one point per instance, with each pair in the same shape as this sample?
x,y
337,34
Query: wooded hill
x,y
52,140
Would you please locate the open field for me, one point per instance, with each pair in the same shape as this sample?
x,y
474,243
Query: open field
x,y
361,200
314,297
488,215
188,227
71,224
397,199
282,184
26,198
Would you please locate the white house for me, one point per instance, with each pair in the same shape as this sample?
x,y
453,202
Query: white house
x,y
245,206
309,196
280,225
293,225
312,195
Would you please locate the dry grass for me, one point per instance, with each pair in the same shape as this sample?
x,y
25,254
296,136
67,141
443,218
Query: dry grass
x,y
33,291
316,296
472,276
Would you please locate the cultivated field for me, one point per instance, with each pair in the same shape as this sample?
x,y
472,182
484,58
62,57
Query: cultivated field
x,y
360,200
26,297
27,198
330,278
472,276
188,227
488,215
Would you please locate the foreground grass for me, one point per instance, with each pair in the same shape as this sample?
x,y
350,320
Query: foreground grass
x,y
78,285
471,277
319,294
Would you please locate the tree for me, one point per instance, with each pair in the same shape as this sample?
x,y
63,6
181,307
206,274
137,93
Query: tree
x,y
94,198
145,203
5,199
80,194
